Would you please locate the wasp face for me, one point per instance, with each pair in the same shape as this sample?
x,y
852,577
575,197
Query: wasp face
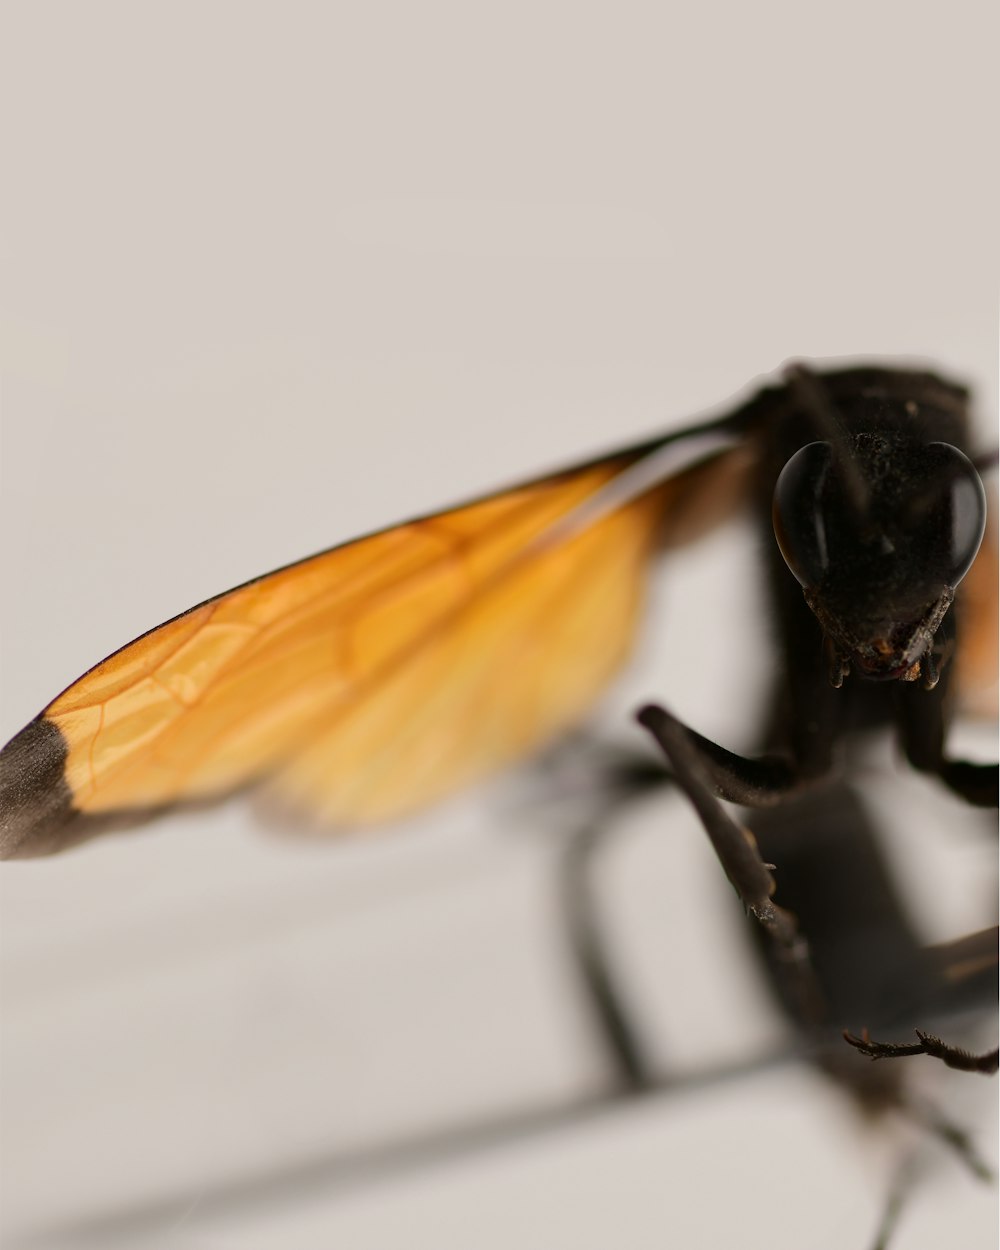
x,y
879,545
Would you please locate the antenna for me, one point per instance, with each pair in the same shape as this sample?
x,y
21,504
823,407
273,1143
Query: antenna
x,y
814,398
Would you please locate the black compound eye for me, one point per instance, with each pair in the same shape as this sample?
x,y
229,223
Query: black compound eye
x,y
948,512
797,513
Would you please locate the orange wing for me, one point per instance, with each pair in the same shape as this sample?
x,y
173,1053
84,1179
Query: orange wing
x,y
979,599
363,682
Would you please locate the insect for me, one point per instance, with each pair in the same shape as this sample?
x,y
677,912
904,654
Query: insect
x,y
369,680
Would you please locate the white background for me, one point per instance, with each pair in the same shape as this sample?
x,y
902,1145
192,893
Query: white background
x,y
275,275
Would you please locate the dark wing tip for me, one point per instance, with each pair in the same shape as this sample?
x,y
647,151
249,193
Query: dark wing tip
x,y
36,809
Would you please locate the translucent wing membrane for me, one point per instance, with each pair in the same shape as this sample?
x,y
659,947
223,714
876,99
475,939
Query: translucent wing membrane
x,y
366,681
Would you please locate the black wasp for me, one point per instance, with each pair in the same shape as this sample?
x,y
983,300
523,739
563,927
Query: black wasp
x,y
378,675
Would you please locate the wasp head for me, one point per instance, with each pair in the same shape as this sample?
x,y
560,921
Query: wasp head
x,y
879,530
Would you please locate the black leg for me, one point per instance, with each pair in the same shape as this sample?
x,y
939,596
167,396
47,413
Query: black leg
x,y
759,782
593,961
928,1044
966,970
920,716
969,964
616,781
705,771
605,780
